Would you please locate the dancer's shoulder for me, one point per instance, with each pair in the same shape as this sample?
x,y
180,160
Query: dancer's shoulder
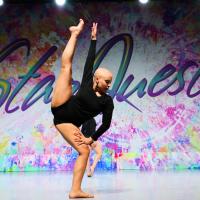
x,y
109,100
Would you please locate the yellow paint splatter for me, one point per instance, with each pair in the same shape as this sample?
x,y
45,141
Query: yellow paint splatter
x,y
3,144
194,138
130,155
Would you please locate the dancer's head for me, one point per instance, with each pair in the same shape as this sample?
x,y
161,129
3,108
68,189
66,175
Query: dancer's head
x,y
102,79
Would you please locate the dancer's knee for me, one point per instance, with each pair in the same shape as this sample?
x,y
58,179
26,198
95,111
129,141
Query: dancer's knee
x,y
85,151
66,67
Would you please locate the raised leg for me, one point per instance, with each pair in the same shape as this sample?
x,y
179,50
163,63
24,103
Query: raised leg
x,y
63,87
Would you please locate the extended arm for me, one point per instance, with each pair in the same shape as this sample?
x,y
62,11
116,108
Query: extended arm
x,y
107,116
88,68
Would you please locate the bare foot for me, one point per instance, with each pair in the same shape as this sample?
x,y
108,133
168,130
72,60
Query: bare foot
x,y
80,194
77,29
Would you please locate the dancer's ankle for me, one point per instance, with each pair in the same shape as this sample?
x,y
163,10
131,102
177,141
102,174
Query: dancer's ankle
x,y
74,35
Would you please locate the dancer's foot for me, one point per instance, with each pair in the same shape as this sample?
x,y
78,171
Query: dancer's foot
x,y
76,30
90,172
80,194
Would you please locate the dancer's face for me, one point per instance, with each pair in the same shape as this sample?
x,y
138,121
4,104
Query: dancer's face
x,y
103,81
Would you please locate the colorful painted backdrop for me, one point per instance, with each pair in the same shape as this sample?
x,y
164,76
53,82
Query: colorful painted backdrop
x,y
153,51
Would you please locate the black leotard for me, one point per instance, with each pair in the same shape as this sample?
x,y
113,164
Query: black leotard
x,y
86,104
88,128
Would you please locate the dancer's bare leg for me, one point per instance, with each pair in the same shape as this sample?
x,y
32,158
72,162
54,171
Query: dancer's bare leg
x,y
63,87
88,163
98,150
68,131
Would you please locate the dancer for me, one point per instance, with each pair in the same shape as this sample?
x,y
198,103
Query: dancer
x,y
70,111
88,128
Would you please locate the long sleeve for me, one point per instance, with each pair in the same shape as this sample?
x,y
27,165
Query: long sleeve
x,y
89,127
88,68
106,120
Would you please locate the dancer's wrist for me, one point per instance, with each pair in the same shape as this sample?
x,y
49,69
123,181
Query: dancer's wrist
x,y
91,141
93,38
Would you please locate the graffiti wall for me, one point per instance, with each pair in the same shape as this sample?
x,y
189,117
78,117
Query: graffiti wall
x,y
153,52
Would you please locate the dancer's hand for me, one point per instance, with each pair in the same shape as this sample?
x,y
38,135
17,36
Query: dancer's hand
x,y
88,141
81,139
94,31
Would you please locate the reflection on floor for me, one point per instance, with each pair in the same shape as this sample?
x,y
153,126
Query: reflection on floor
x,y
121,185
